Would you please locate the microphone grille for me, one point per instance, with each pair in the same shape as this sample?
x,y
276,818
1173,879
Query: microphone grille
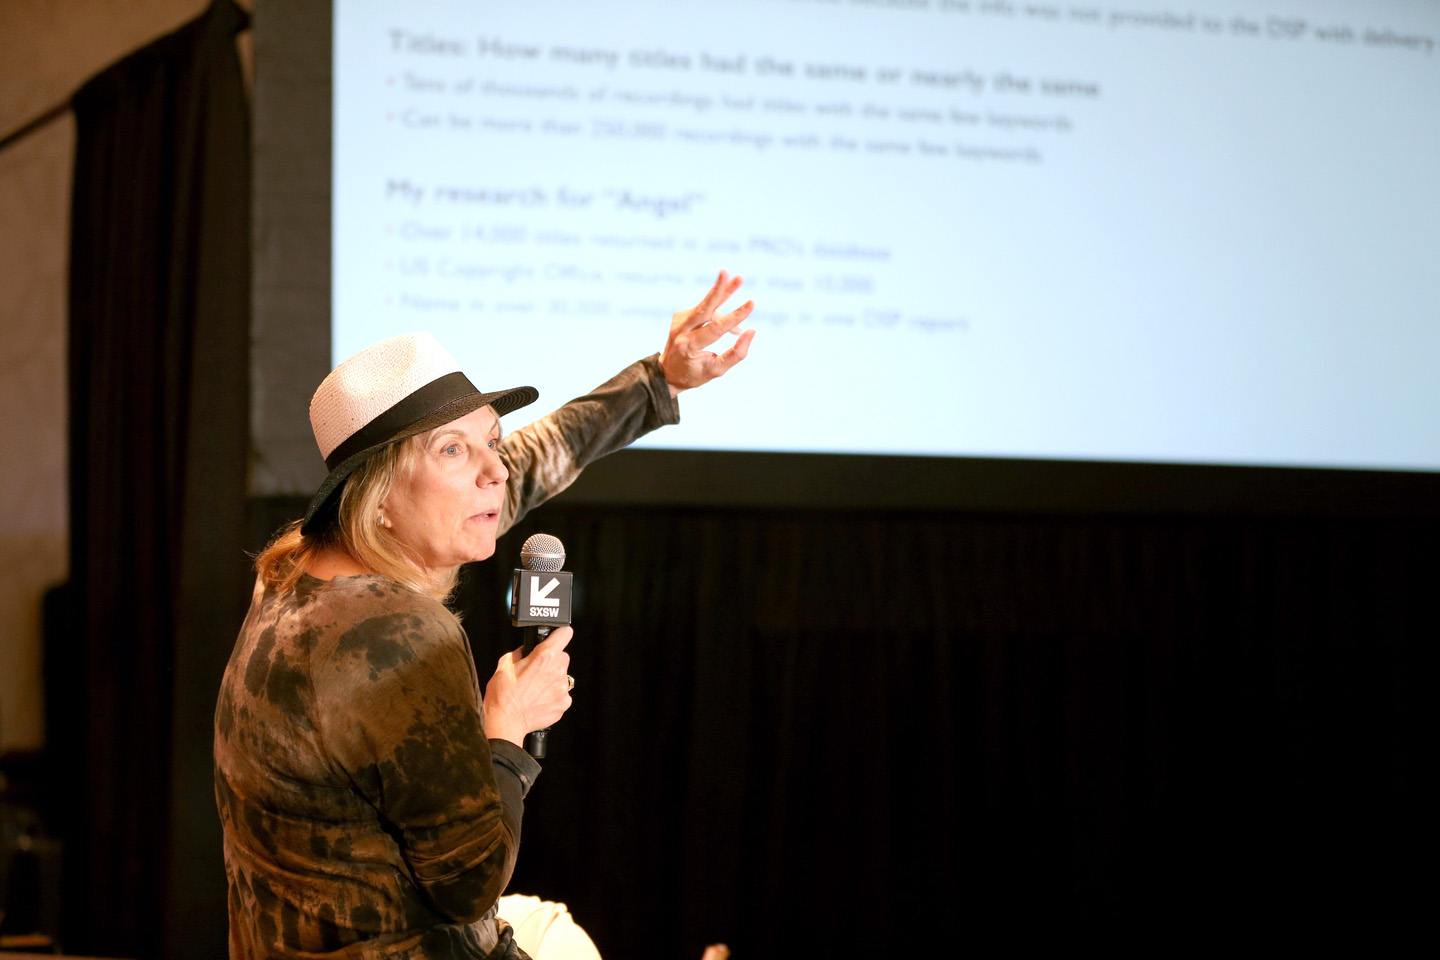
x,y
542,553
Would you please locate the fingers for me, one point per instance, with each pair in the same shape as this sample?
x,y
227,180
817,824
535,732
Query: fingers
x,y
558,639
528,693
736,353
709,333
725,285
548,657
737,316
724,288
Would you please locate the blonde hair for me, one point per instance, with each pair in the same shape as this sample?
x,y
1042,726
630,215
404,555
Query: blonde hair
x,y
357,532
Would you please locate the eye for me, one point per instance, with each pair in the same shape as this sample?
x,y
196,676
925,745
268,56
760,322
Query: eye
x,y
451,450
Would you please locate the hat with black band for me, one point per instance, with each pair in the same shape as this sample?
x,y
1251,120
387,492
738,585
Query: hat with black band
x,y
394,389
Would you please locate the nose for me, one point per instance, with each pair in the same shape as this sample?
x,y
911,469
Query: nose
x,y
492,470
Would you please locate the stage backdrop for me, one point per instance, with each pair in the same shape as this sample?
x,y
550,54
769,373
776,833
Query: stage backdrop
x,y
834,734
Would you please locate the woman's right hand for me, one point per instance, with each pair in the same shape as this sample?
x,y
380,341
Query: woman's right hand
x,y
528,693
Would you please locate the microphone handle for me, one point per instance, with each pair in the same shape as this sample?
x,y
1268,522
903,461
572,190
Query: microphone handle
x,y
535,740
535,743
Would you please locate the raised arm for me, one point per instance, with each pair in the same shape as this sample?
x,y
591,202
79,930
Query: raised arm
x,y
545,457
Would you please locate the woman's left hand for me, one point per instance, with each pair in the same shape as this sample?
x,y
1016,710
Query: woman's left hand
x,y
529,692
686,359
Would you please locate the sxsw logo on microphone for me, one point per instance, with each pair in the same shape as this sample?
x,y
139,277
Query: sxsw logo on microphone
x,y
540,598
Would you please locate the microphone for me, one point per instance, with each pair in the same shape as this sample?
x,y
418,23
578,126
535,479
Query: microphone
x,y
539,602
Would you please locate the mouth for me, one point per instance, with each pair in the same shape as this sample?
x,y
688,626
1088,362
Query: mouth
x,y
487,516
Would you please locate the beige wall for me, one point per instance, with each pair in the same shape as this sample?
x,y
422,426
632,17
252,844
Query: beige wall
x,y
47,49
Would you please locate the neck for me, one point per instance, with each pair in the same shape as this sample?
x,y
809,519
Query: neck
x,y
332,563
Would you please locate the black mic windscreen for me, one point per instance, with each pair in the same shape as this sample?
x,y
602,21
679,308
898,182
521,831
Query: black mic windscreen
x,y
543,553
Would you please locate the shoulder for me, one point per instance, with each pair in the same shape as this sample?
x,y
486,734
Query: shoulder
x,y
376,626
346,602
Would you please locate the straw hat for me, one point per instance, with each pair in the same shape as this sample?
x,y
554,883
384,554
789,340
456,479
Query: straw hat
x,y
391,390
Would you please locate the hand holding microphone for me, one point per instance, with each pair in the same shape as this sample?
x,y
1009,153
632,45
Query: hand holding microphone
x,y
539,602
528,693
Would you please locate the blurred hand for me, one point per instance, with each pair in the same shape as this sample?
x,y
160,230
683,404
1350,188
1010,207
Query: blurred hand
x,y
686,359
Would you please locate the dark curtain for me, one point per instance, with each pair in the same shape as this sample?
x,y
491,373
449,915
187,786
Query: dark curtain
x,y
825,735
159,313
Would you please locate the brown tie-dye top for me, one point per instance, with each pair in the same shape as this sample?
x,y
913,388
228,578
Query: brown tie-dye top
x,y
366,815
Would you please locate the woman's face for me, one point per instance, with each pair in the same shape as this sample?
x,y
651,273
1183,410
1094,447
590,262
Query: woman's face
x,y
446,510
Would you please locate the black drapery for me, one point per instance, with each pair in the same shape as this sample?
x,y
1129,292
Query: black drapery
x,y
816,734
159,314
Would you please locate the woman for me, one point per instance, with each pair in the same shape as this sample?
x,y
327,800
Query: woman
x,y
371,807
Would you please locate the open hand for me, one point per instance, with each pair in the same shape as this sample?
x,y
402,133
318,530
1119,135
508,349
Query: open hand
x,y
686,359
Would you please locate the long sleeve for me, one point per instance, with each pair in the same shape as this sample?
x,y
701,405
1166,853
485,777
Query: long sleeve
x,y
366,814
545,457
404,723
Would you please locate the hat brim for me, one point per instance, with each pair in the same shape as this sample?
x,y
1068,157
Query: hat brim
x,y
323,505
